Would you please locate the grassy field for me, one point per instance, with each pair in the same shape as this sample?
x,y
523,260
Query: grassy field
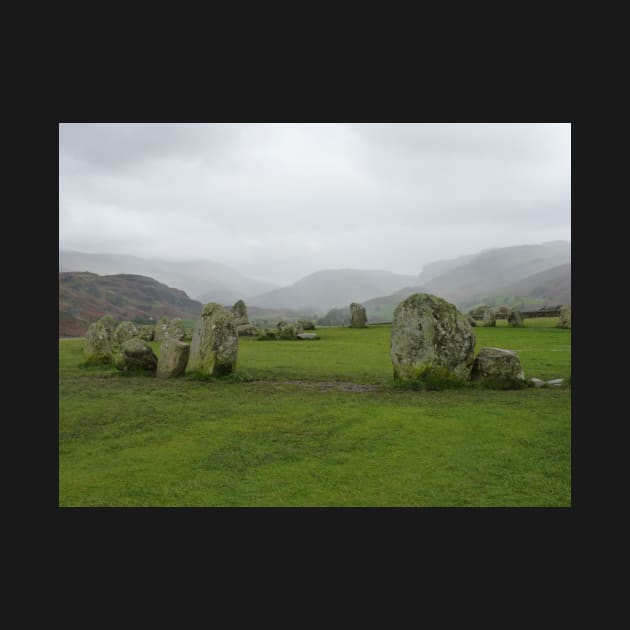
x,y
317,424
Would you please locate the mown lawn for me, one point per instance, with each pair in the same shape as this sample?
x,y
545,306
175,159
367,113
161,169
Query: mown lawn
x,y
289,431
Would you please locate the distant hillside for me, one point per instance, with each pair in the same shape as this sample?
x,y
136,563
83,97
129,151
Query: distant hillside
x,y
323,290
206,280
381,309
84,297
440,267
552,286
491,270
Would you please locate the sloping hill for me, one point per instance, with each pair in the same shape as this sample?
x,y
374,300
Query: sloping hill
x,y
491,270
84,297
325,289
551,286
206,280
381,309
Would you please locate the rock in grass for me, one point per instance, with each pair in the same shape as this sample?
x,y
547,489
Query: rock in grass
x,y
266,335
358,318
565,317
246,330
536,382
214,347
471,321
431,340
515,319
498,365
489,317
307,336
135,354
173,359
289,331
175,329
98,344
161,327
555,382
124,331
307,324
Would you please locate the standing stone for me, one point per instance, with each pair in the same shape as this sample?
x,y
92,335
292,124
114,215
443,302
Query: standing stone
x,y
146,332
135,354
497,364
307,324
247,330
431,338
358,318
471,321
124,331
565,317
175,329
98,344
239,310
515,319
173,359
110,323
161,326
289,331
489,317
214,347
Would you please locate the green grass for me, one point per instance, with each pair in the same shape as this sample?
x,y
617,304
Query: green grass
x,y
298,435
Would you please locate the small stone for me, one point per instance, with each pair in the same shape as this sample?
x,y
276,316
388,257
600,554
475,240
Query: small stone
x,y
536,382
555,382
308,336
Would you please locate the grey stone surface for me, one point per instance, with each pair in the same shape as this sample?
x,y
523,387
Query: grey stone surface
x,y
497,364
124,331
565,317
214,347
358,318
536,382
146,332
98,344
173,358
515,319
239,310
135,354
489,317
555,382
308,336
431,338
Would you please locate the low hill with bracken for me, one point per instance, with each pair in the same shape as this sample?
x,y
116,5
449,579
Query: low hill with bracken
x,y
85,297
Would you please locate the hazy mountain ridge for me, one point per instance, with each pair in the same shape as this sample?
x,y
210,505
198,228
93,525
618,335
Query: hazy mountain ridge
x,y
85,297
328,288
206,280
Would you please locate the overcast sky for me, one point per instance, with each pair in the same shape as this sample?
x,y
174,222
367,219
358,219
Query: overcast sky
x,y
279,201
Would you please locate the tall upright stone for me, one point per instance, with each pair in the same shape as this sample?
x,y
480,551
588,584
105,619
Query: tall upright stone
x,y
110,323
431,339
489,317
161,327
97,348
358,318
175,329
515,319
214,347
239,310
147,332
565,317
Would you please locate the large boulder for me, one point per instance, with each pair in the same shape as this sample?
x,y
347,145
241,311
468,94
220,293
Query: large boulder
x,y
431,339
289,330
97,348
173,359
146,332
489,317
247,330
135,354
565,317
358,318
214,347
124,331
110,323
239,310
499,365
515,319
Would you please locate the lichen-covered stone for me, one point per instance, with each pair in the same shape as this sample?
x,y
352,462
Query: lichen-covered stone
x,y
471,321
161,326
214,347
175,329
98,344
478,311
358,318
431,339
173,359
497,364
489,317
239,310
146,332
135,354
266,335
110,323
246,330
515,319
565,317
124,331
289,331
